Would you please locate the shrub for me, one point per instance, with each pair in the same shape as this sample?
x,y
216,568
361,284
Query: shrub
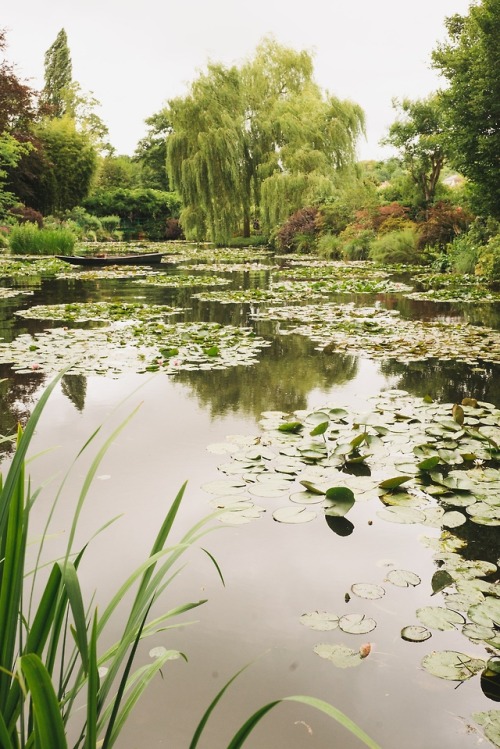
x,y
28,239
354,243
173,229
488,260
24,215
444,222
328,246
464,250
396,247
298,233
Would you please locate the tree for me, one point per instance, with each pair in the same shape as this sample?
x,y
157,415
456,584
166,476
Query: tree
x,y
71,163
117,171
470,62
151,152
17,100
263,133
418,135
58,72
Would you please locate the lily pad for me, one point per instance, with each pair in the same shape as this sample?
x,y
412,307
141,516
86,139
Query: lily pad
x,y
415,633
293,515
452,665
368,590
436,617
320,620
340,655
403,578
356,624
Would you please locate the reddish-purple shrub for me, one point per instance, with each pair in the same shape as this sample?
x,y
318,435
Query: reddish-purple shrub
x,y
443,222
26,215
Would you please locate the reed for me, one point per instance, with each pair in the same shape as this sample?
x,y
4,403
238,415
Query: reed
x,y
51,654
28,239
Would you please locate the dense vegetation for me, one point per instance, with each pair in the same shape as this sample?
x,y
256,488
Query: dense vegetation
x,y
259,150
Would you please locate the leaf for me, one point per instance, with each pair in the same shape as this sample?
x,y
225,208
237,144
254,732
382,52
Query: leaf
x,y
394,482
340,501
356,624
451,665
291,426
414,633
320,620
368,590
403,578
401,515
293,515
48,720
320,429
490,721
312,488
437,617
429,463
441,580
340,655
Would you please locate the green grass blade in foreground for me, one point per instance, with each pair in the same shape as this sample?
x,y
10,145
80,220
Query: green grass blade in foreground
x,y
5,741
245,730
92,690
48,722
20,454
201,725
74,593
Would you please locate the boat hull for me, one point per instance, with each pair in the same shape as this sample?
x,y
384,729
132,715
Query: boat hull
x,y
150,258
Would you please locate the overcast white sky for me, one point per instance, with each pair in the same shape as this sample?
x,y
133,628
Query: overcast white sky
x,y
136,54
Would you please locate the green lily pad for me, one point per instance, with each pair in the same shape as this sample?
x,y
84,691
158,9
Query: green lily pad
x,y
394,482
368,590
293,515
398,514
403,578
436,617
340,500
340,655
415,633
441,579
451,665
490,721
320,620
356,624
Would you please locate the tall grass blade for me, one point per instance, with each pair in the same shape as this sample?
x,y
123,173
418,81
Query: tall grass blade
x,y
49,727
92,689
74,594
5,741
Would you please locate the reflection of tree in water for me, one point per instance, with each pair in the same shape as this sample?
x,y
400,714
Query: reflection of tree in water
x,y
75,388
17,396
447,381
286,373
483,542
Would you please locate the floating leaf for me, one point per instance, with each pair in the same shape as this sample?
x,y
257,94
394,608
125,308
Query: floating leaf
x,y
312,488
403,578
440,618
356,624
320,620
490,721
441,580
340,655
340,501
368,590
401,515
451,665
293,515
291,426
320,429
414,633
394,482
429,463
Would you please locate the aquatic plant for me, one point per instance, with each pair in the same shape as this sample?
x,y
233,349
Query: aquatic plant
x,y
28,239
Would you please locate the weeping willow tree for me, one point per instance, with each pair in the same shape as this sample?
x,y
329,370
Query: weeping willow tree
x,y
261,140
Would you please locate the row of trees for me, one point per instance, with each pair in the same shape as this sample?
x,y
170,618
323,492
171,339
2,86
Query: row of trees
x,y
250,146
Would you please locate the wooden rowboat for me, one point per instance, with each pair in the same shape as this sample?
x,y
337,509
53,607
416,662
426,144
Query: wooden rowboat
x,y
145,258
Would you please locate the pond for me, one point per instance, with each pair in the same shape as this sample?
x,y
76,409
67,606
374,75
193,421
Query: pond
x,y
281,390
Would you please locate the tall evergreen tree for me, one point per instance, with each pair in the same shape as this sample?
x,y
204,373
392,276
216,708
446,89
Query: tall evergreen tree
x,y
58,75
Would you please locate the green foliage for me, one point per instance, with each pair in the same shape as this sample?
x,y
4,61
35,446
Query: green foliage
x,y
470,62
117,172
151,152
259,137
418,136
328,246
11,152
71,166
396,247
58,72
141,210
28,239
464,251
488,260
355,242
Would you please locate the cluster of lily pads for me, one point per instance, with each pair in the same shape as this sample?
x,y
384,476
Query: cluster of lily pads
x,y
109,273
29,268
380,333
436,465
137,346
76,312
449,287
6,293
180,282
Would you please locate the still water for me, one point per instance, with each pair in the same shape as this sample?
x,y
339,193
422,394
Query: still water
x,y
273,572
